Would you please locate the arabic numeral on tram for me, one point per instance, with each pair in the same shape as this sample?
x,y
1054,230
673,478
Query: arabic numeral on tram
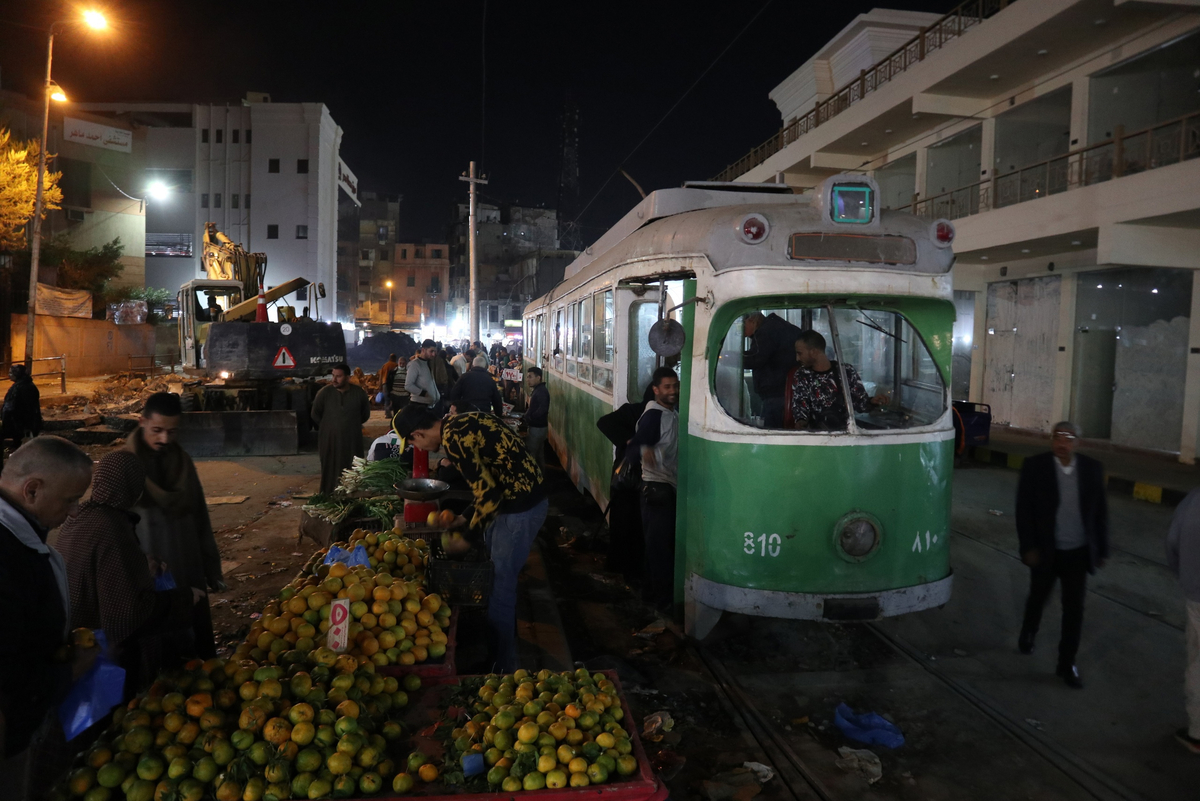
x,y
763,545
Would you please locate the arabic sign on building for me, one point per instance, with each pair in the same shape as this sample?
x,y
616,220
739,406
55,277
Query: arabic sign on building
x,y
348,182
63,302
96,135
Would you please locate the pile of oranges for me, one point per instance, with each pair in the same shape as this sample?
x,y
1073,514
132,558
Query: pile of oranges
x,y
393,620
239,731
550,730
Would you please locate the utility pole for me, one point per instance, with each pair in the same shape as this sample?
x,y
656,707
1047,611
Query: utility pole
x,y
473,222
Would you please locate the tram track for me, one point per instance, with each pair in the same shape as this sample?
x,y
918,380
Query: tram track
x,y
1092,590
804,784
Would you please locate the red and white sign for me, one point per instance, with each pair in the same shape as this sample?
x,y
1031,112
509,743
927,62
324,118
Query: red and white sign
x,y
338,636
284,360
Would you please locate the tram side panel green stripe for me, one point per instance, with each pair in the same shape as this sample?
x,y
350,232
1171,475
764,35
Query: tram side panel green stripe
x,y
573,416
799,493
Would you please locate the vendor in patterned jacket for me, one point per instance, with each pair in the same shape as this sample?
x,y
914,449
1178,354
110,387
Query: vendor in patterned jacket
x,y
816,401
509,504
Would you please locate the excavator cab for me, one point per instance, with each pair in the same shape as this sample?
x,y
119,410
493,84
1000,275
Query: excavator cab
x,y
202,302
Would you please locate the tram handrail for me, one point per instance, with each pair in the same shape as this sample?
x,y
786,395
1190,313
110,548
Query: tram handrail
x,y
965,16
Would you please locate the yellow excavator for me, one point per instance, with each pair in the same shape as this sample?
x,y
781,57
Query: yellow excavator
x,y
248,367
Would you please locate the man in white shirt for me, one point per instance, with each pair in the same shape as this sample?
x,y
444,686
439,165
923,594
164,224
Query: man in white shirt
x,y
656,445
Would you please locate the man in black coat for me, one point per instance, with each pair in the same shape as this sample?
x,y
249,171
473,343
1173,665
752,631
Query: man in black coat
x,y
771,356
40,488
1062,526
477,391
21,412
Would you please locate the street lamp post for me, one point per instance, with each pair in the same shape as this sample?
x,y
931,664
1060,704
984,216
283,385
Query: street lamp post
x,y
96,20
391,308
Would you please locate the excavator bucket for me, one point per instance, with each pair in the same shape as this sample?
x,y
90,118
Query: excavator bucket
x,y
263,433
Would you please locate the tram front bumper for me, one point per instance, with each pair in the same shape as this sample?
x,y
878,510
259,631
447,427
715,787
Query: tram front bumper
x,y
701,593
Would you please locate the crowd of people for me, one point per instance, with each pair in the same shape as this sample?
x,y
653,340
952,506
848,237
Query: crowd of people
x,y
136,559
135,554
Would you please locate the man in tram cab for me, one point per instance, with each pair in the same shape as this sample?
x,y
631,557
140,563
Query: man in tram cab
x,y
815,398
770,358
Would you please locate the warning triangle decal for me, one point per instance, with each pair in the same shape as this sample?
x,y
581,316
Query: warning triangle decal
x,y
284,360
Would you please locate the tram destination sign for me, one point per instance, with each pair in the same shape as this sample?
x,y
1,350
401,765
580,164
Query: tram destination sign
x,y
868,248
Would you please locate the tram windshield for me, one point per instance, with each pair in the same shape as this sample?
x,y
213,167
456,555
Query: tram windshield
x,y
817,368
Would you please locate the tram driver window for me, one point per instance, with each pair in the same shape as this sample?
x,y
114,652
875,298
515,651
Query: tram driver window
x,y
893,380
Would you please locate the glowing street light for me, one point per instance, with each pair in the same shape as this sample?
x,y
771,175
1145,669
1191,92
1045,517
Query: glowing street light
x,y
158,190
51,91
391,309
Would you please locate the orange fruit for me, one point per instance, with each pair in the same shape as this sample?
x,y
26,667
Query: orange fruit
x,y
428,773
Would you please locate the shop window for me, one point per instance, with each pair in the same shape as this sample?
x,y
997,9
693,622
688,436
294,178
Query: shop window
x,y
876,372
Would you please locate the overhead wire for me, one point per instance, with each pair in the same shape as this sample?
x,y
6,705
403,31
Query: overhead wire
x,y
676,105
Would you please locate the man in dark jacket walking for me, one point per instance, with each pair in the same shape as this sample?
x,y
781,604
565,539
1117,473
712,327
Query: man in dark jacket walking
x,y
771,357
1062,526
477,391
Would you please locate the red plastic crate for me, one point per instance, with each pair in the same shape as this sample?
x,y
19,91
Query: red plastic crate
x,y
643,786
430,669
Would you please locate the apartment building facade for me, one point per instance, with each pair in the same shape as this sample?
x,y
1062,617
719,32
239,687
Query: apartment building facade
x,y
268,174
1062,137
102,170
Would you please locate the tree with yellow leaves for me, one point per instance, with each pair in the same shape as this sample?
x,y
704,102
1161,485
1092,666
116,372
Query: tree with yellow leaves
x,y
18,189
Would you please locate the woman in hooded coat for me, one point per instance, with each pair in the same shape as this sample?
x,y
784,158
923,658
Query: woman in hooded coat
x,y
109,577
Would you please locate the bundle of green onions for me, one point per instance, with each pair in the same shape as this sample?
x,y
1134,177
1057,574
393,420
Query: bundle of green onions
x,y
376,477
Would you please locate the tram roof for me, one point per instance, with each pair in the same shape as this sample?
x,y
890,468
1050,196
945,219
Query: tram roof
x,y
708,217
669,202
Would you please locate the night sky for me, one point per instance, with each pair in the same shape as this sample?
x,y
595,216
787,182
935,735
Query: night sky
x,y
404,81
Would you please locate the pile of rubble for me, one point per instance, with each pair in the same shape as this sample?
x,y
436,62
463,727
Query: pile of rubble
x,y
108,414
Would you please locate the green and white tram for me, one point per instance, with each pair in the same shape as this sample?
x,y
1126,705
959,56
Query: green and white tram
x,y
834,525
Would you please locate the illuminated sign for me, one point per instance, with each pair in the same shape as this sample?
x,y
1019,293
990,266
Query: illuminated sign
x,y
852,203
95,135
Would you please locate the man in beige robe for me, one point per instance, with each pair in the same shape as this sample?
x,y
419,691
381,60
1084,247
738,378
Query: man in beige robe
x,y
339,411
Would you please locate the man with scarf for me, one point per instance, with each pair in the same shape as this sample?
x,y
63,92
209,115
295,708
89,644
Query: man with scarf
x,y
41,486
173,525
109,578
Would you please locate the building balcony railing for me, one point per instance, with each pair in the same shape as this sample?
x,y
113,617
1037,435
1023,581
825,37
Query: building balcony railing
x,y
1125,154
931,39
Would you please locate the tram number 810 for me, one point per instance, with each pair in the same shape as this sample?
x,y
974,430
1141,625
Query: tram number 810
x,y
763,545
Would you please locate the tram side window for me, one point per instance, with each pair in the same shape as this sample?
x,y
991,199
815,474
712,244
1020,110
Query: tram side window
x,y
585,328
572,348
559,345
602,339
894,382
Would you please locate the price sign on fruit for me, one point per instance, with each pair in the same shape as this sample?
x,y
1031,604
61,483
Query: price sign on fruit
x,y
338,636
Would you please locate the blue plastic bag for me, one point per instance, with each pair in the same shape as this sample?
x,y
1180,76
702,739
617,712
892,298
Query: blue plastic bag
x,y
164,581
355,558
867,728
94,695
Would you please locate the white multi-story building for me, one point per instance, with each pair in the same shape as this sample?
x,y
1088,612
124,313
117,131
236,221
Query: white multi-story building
x,y
267,174
1062,137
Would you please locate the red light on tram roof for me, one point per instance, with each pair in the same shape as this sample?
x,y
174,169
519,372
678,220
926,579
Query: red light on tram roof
x,y
754,229
942,233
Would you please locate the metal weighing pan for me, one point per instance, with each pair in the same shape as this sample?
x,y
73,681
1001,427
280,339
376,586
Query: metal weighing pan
x,y
422,489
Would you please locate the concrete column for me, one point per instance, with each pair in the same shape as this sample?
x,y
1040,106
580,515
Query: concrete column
x,y
1064,359
1191,383
979,345
1079,113
987,160
922,166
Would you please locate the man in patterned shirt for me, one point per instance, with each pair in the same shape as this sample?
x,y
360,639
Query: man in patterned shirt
x,y
509,509
817,401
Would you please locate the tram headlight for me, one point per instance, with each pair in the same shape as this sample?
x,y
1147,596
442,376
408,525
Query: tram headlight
x,y
857,536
